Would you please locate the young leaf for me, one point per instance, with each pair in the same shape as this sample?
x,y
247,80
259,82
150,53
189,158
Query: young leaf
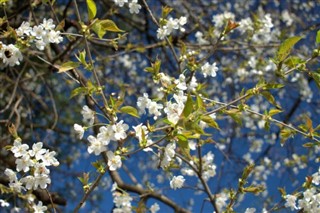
x,y
199,103
92,9
188,107
69,65
285,134
273,112
316,78
96,27
285,47
270,98
109,25
210,121
235,114
130,110
100,27
318,37
77,91
184,145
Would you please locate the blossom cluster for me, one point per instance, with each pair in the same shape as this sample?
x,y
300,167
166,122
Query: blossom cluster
x,y
170,25
141,132
108,133
261,28
41,35
35,161
122,201
174,110
208,167
308,200
168,154
145,102
134,6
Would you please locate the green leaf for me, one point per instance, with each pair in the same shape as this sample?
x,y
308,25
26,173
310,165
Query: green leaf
x,y
267,125
92,9
184,145
316,78
99,166
293,61
100,27
273,112
109,25
184,139
318,37
85,178
254,189
199,103
272,86
308,145
69,65
78,91
235,114
96,27
210,121
270,98
130,110
285,134
285,48
188,107
149,69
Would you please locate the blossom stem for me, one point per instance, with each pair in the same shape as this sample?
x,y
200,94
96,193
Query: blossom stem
x,y
167,40
92,187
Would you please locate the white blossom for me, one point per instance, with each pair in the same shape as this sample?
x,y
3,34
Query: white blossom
x,y
140,130
29,182
122,202
134,7
24,29
19,149
42,180
181,82
24,163
171,25
177,182
120,3
250,210
79,130
88,114
48,24
209,69
4,203
173,111
10,55
143,102
114,161
200,39
37,150
169,153
120,129
96,146
39,208
10,174
106,134
221,19
48,159
154,208
291,202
